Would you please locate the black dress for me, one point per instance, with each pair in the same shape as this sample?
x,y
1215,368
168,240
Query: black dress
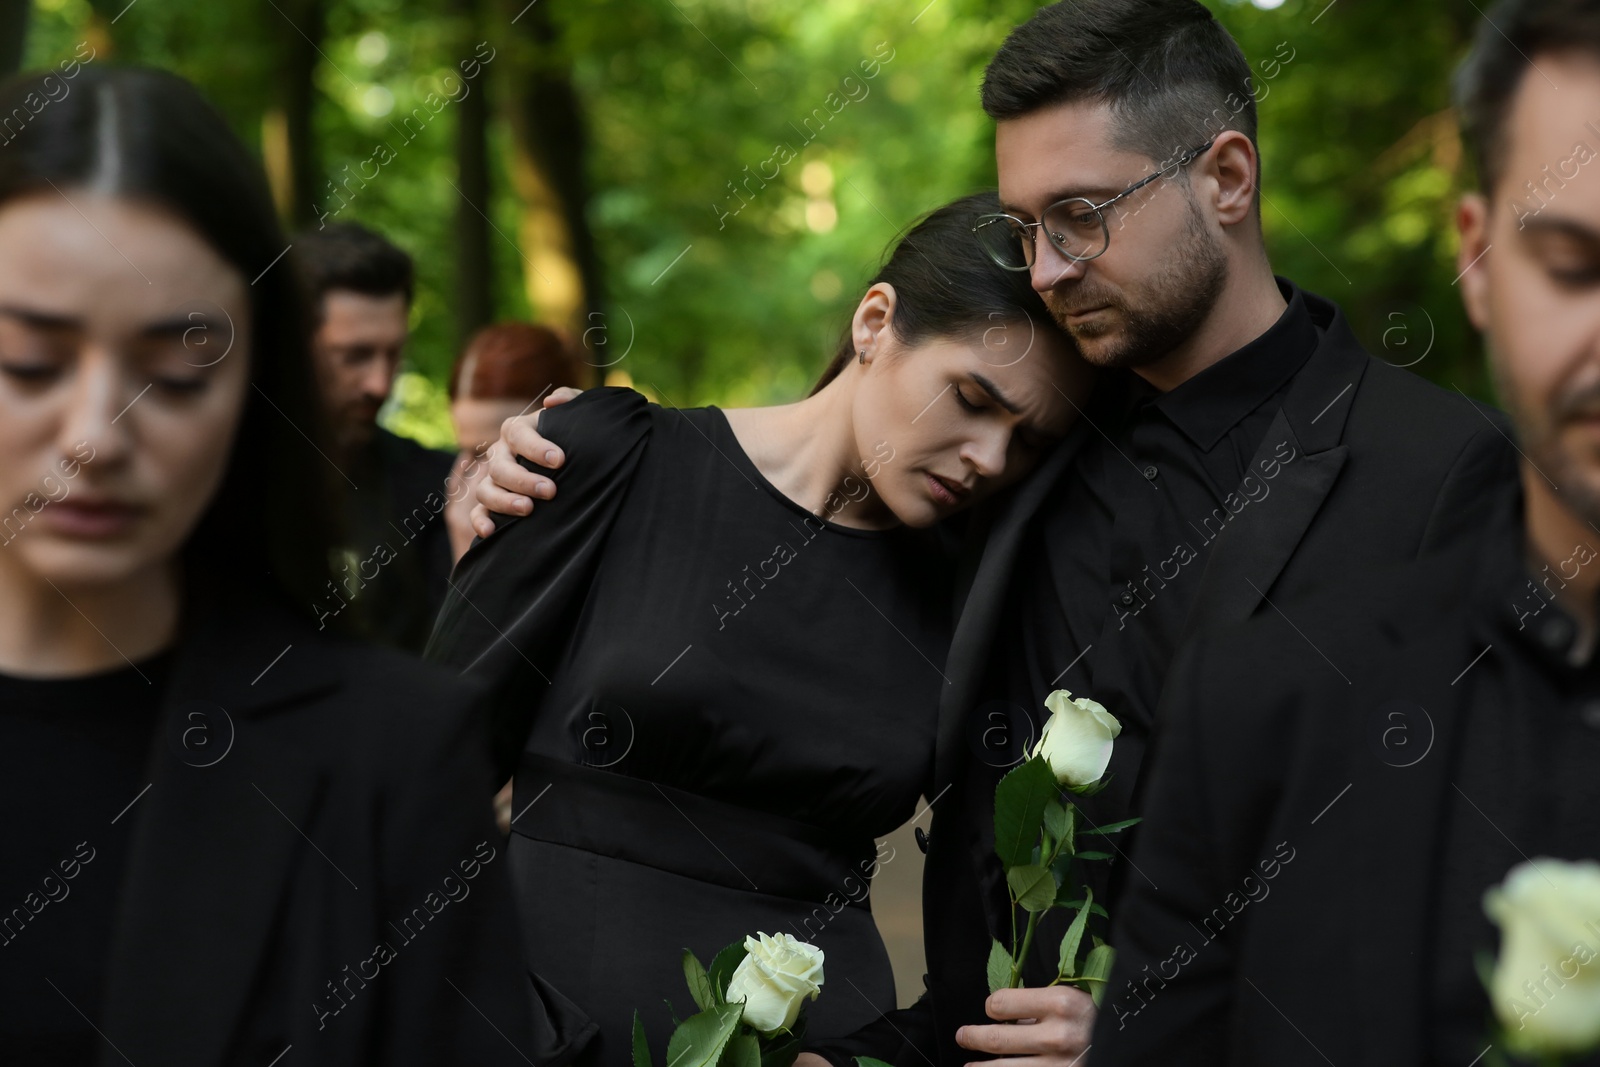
x,y
714,701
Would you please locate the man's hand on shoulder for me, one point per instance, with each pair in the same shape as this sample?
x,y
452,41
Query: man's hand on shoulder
x,y
511,488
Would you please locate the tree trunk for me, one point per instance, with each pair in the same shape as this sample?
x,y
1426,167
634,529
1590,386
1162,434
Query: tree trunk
x,y
474,281
289,145
13,35
548,152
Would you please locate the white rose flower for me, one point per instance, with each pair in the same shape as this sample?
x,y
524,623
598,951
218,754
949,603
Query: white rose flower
x,y
774,979
1546,984
1077,737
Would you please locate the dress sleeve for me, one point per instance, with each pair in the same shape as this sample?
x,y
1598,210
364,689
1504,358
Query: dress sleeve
x,y
514,598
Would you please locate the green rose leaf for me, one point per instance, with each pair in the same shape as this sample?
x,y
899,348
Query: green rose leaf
x,y
999,967
1110,827
1097,969
868,1061
782,1048
1034,887
1093,855
1068,964
723,965
1062,822
699,1041
743,1051
1067,898
1019,804
699,982
641,1047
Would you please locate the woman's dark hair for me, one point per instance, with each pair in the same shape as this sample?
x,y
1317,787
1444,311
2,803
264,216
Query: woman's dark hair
x,y
946,285
151,137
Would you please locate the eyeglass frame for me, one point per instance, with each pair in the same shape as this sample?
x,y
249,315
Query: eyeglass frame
x,y
1032,238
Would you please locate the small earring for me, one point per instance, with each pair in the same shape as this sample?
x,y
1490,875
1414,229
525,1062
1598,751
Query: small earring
x,y
861,356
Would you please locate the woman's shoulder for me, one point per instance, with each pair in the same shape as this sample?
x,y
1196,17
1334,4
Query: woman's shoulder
x,y
610,417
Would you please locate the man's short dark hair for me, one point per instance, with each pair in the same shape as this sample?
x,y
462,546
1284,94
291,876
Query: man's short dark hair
x,y
1173,77
344,255
1508,42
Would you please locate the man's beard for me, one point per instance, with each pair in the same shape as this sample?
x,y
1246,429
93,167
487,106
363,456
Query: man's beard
x,y
355,426
1180,296
1539,433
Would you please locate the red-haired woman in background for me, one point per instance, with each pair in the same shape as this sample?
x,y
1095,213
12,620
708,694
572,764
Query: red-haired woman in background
x,y
504,370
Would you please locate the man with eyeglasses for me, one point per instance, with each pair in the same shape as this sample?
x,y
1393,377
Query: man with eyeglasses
x,y
1242,447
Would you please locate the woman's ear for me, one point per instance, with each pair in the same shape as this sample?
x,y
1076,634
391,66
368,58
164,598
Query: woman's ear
x,y
874,315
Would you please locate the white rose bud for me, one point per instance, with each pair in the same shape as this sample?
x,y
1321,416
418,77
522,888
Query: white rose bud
x,y
1546,984
774,979
1077,737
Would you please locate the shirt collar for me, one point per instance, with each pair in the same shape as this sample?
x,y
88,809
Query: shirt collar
x,y
1520,598
1211,403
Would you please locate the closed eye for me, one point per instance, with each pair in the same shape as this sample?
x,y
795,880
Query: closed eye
x,y
31,373
180,386
961,398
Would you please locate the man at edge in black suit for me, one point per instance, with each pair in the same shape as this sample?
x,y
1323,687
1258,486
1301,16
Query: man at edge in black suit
x,y
1336,786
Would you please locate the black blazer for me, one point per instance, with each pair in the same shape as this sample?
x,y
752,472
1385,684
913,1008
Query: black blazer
x,y
1274,766
310,800
1387,468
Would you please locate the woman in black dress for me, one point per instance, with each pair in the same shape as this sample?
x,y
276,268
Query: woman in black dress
x,y
232,837
717,651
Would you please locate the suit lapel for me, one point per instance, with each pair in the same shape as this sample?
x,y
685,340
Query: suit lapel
x,y
217,836
985,598
1303,442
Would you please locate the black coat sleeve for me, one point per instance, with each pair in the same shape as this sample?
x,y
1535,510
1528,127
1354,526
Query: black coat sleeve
x,y
1470,499
514,597
459,992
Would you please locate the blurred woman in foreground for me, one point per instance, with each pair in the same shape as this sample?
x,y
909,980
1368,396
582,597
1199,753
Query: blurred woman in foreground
x,y
243,834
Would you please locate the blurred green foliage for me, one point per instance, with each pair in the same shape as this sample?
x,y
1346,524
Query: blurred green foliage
x,y
683,97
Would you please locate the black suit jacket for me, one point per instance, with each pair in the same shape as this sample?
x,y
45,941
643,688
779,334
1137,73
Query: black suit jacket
x,y
309,800
1387,468
399,506
1323,736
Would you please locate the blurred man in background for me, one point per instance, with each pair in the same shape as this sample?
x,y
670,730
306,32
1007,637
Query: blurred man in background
x,y
397,552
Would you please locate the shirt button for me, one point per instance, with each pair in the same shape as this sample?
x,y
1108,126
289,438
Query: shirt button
x,y
1150,473
1127,598
1555,633
1590,714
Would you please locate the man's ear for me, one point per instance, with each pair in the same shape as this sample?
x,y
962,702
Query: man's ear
x,y
1472,223
1235,166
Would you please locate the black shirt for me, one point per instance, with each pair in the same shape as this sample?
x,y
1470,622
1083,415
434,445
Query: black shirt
x,y
1104,586
1527,773
72,763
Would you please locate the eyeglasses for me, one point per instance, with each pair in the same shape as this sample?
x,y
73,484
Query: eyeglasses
x,y
1076,226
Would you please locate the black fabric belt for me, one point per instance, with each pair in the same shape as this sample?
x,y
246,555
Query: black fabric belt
x,y
671,829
